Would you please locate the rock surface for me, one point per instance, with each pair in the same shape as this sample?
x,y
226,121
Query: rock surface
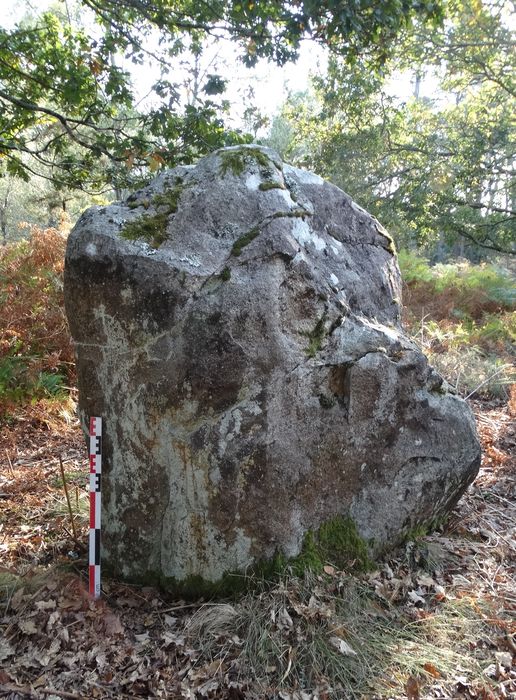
x,y
237,326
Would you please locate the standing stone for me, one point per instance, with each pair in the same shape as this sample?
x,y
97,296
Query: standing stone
x,y
237,326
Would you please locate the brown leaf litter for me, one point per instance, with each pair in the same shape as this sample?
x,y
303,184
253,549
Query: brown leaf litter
x,y
449,599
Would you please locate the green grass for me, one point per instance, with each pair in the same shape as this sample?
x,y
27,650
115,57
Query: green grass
x,y
471,372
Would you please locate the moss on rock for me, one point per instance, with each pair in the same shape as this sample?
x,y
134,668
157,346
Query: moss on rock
x,y
244,240
336,542
236,160
326,401
297,213
152,229
271,185
169,199
316,337
339,543
423,528
389,246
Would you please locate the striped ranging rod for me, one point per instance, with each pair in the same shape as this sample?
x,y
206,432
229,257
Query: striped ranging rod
x,y
95,454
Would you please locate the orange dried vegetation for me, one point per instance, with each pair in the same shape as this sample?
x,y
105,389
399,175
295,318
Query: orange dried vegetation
x,y
422,298
34,335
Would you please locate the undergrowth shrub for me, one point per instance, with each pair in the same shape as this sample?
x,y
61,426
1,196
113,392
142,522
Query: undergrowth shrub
x,y
36,354
464,318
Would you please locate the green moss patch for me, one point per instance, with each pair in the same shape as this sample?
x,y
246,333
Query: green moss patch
x,y
390,245
316,337
244,240
248,237
169,199
236,161
271,185
291,214
137,203
152,229
225,275
336,542
339,543
326,401
424,528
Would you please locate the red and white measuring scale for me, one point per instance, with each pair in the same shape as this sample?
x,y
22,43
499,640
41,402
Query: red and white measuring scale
x,y
95,453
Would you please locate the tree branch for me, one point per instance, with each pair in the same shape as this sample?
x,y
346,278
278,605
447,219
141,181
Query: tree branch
x,y
64,121
482,243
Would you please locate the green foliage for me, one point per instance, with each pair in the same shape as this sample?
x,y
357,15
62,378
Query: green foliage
x,y
67,107
50,384
414,267
464,280
12,369
433,170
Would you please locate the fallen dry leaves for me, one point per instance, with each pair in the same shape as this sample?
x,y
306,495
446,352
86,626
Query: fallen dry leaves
x,y
135,642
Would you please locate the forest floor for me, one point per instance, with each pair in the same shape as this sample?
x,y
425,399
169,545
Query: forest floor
x,y
436,619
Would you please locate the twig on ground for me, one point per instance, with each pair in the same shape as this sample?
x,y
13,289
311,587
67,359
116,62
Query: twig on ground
x,y
75,538
491,376
62,694
178,607
33,693
10,464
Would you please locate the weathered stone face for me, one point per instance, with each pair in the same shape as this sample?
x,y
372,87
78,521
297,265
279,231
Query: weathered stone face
x,y
245,352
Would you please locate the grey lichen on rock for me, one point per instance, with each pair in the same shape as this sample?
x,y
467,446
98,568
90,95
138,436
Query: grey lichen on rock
x,y
242,343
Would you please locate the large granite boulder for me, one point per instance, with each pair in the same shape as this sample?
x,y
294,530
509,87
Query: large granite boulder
x,y
237,326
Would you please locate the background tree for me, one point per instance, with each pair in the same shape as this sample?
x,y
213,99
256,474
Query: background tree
x,y
38,202
433,169
67,106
